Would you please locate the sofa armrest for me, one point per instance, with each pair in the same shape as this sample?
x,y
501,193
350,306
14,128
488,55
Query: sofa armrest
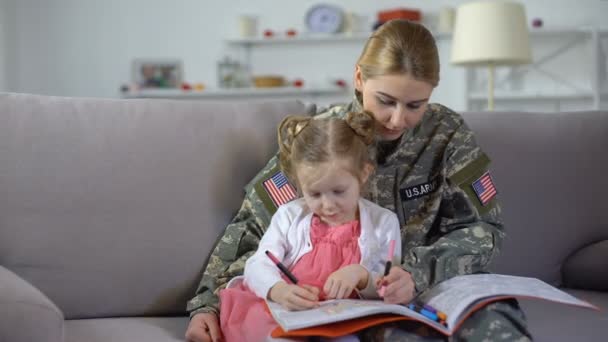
x,y
26,314
585,269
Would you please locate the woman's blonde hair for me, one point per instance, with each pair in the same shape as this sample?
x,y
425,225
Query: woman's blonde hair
x,y
307,140
400,47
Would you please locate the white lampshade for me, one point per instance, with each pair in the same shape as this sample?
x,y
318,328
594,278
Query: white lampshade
x,y
491,33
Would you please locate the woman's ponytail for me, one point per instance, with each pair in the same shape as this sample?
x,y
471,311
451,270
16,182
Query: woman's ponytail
x,y
363,123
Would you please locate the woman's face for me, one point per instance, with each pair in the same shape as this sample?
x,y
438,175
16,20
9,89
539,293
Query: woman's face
x,y
396,101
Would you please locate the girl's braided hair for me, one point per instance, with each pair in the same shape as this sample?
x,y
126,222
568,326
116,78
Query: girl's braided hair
x,y
310,140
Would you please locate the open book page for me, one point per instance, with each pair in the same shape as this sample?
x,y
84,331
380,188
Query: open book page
x,y
338,310
457,295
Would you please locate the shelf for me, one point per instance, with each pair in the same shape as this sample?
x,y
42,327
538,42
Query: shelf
x,y
311,38
302,38
235,92
531,95
564,31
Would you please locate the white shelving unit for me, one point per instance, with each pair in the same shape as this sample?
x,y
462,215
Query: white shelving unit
x,y
246,45
297,57
306,55
545,84
577,81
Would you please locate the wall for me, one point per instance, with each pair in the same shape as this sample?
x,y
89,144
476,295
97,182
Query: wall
x,y
85,47
3,44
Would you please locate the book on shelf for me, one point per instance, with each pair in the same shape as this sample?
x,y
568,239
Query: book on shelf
x,y
457,298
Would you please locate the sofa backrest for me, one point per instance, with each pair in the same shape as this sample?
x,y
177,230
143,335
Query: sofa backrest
x,y
551,173
111,207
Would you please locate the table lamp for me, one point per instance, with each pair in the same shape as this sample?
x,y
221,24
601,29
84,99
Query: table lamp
x,y
491,33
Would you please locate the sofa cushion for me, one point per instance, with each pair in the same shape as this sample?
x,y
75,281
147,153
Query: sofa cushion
x,y
26,314
148,329
111,207
553,322
587,268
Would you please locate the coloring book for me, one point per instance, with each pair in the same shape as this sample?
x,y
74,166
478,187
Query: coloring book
x,y
457,297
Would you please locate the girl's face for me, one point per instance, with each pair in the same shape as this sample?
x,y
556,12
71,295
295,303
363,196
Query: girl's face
x,y
397,102
331,191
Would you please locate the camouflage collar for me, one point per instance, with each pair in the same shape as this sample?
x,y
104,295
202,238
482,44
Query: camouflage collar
x,y
355,105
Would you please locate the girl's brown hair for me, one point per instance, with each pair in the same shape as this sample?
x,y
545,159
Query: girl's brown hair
x,y
400,47
308,140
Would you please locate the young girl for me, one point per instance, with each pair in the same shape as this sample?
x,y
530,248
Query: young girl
x,y
333,241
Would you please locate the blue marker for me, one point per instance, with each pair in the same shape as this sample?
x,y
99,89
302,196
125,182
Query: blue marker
x,y
426,313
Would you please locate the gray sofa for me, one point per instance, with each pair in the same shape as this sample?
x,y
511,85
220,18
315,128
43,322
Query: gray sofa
x,y
109,208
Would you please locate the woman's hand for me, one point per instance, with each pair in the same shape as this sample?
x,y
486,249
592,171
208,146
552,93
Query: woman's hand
x,y
342,282
400,287
204,327
294,297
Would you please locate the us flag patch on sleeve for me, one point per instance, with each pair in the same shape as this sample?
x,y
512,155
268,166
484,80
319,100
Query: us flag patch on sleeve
x,y
484,188
279,190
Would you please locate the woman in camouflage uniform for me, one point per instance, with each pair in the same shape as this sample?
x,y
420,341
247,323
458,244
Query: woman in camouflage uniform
x,y
428,171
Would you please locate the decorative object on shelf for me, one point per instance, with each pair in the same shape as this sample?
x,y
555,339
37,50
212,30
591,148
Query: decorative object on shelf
x,y
248,26
397,13
537,22
199,86
445,23
298,83
491,33
324,18
133,88
268,81
268,33
354,23
232,74
340,83
291,33
157,73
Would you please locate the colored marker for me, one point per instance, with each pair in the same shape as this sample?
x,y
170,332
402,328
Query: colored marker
x,y
387,268
421,310
429,312
442,316
282,267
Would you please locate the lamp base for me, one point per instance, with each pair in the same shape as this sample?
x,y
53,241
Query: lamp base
x,y
491,68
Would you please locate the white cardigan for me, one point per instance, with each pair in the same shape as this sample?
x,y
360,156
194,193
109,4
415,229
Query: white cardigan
x,y
288,238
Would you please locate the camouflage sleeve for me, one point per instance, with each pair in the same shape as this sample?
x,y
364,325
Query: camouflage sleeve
x,y
335,110
238,242
468,229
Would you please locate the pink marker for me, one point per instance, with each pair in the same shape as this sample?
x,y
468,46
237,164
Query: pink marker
x,y
389,262
282,267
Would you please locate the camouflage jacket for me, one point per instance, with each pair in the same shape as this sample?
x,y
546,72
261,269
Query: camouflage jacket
x,y
431,178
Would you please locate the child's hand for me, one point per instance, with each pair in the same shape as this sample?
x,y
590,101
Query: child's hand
x,y
342,282
294,297
400,287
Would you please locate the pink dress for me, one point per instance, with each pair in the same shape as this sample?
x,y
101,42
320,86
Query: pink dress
x,y
243,315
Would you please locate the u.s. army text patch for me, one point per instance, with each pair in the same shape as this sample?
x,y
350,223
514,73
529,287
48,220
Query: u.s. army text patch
x,y
419,190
